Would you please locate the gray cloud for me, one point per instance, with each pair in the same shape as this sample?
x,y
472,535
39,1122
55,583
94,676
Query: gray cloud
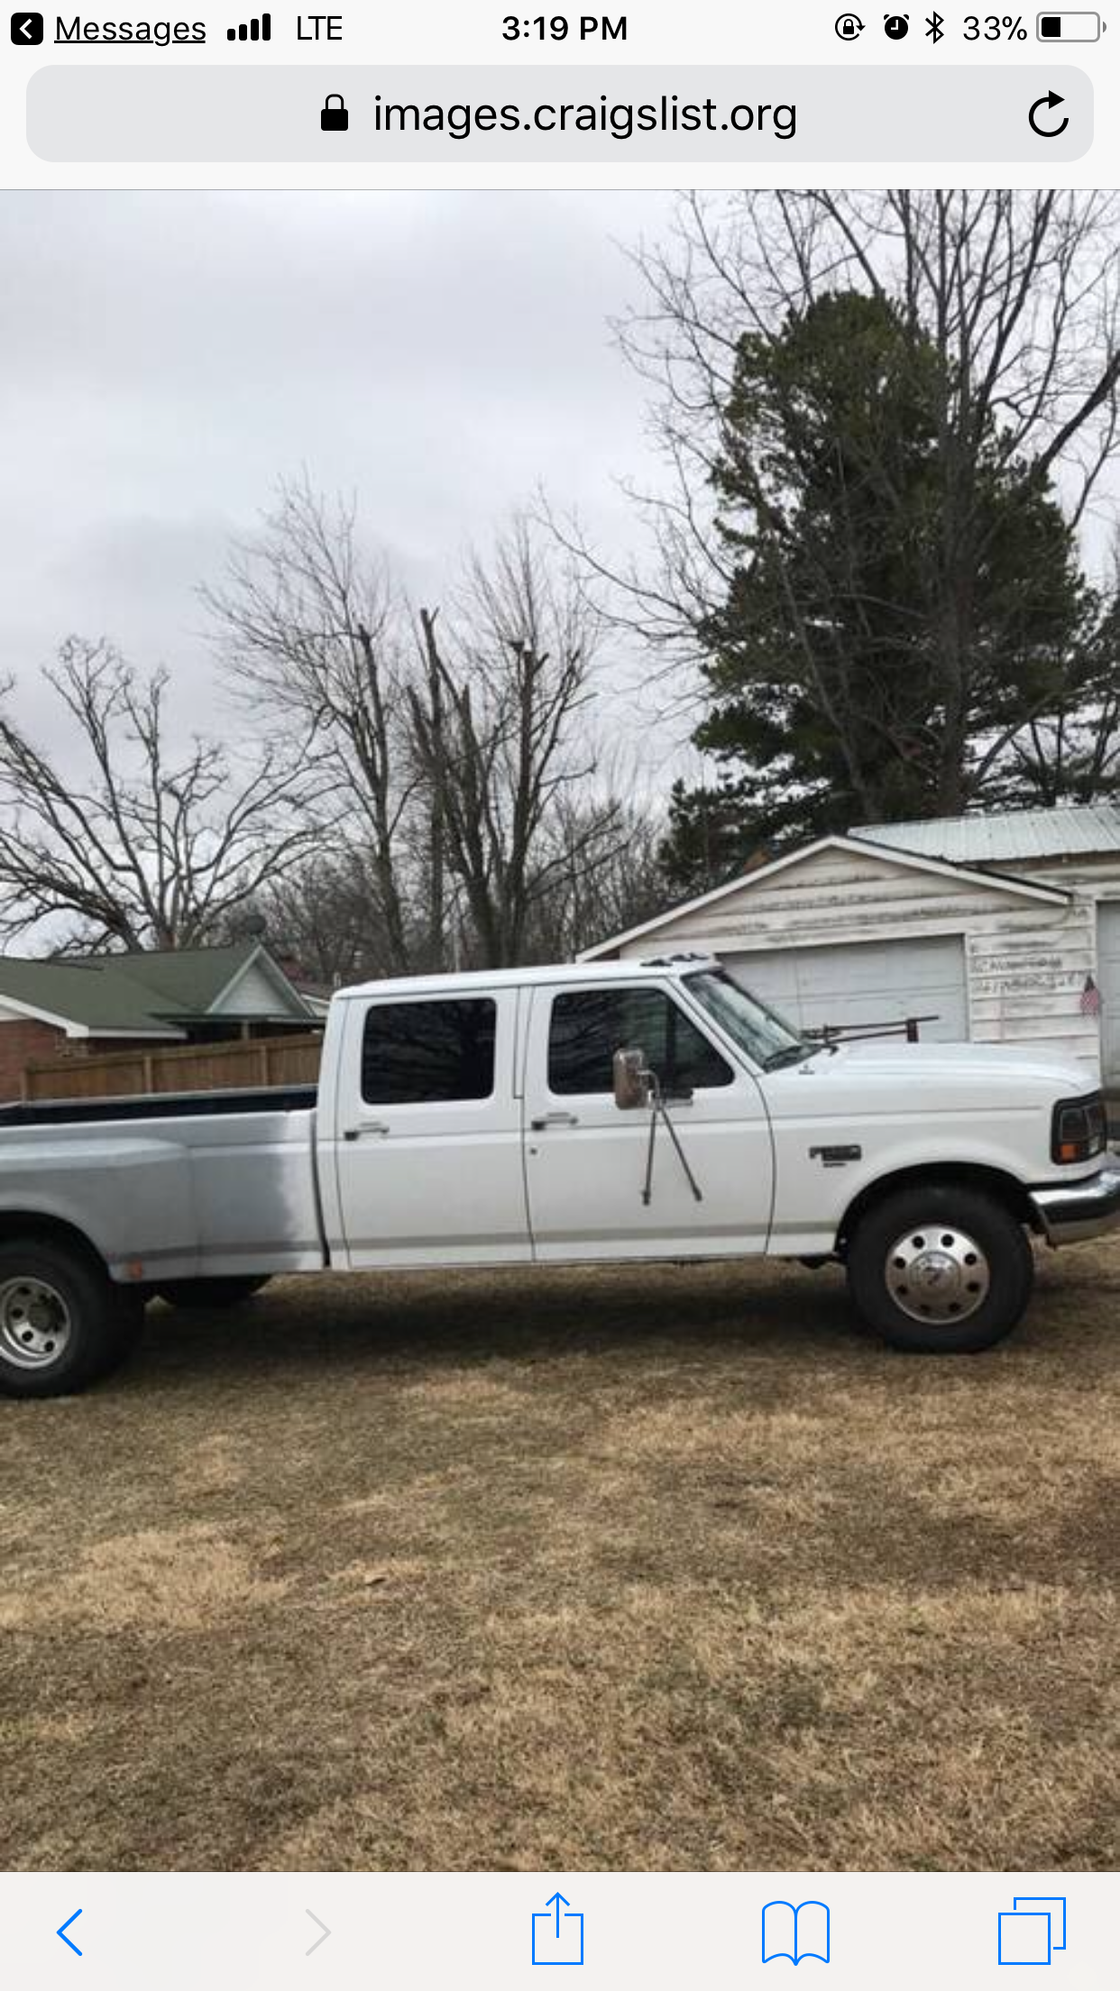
x,y
168,356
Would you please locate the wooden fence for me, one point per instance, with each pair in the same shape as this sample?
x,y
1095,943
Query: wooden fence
x,y
183,1068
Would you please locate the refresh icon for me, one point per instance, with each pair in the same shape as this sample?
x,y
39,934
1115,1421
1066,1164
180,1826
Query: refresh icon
x,y
1049,102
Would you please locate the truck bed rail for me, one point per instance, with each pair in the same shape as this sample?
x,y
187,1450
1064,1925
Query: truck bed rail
x,y
158,1106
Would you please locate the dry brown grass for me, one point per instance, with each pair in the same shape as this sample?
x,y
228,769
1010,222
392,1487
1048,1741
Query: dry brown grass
x,y
586,1569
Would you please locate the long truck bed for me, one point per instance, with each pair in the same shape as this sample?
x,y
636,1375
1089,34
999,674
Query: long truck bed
x,y
173,1186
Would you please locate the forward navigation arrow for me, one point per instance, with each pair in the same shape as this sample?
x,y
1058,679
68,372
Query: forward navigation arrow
x,y
319,1939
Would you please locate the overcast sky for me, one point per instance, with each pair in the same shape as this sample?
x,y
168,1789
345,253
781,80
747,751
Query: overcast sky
x,y
169,356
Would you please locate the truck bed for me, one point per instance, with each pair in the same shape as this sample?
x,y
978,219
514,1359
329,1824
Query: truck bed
x,y
182,1185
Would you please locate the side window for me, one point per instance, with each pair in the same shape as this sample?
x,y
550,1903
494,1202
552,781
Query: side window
x,y
588,1027
420,1052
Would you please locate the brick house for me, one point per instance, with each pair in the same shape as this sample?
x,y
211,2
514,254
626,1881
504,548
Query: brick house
x,y
120,1002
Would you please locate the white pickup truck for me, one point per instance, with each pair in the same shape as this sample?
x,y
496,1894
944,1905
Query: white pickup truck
x,y
637,1110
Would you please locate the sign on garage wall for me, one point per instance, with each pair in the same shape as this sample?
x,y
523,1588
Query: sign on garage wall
x,y
1025,974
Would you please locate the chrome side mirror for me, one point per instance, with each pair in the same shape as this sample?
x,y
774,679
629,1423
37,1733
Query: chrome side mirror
x,y
633,1081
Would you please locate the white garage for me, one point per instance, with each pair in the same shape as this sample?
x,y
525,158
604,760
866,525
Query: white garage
x,y
996,940
870,983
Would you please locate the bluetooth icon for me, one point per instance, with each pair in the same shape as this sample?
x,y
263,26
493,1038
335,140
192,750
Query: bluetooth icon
x,y
935,26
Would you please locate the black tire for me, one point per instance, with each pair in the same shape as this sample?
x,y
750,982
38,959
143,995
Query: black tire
x,y
210,1292
63,1323
959,1307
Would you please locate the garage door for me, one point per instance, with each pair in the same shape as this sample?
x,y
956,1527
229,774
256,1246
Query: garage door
x,y
1108,981
872,982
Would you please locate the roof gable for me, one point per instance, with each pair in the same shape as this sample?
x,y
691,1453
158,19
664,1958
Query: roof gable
x,y
725,897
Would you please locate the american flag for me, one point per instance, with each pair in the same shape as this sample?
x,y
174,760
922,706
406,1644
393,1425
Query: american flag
x,y
1090,998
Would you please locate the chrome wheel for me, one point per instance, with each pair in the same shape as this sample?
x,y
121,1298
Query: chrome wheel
x,y
936,1273
35,1326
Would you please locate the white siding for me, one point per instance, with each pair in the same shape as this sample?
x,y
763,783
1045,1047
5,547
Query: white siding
x,y
1026,981
255,994
1108,981
834,896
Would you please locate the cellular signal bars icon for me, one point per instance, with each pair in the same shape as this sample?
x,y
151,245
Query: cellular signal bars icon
x,y
253,30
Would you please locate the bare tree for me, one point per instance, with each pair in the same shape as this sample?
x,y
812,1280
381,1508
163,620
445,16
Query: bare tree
x,y
319,917
458,737
499,724
602,884
315,636
139,845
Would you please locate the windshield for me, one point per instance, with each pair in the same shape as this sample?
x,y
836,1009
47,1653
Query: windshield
x,y
759,1031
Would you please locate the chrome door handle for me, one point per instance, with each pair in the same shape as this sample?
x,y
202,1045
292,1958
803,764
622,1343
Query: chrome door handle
x,y
554,1120
365,1127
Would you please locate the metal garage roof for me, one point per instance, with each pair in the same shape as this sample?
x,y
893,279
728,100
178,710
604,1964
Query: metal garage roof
x,y
1013,837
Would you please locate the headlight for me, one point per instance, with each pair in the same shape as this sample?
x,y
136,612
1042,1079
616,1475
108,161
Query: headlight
x,y
1079,1129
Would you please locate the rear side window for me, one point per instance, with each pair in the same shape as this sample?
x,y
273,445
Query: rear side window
x,y
589,1026
415,1053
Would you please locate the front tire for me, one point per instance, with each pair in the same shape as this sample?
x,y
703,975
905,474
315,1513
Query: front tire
x,y
210,1292
940,1270
63,1323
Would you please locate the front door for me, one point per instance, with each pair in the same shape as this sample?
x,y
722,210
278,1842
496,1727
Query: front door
x,y
586,1159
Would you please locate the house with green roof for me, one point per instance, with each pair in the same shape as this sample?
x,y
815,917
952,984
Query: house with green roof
x,y
115,1002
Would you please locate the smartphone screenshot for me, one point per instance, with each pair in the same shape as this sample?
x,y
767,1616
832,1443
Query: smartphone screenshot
x,y
559,997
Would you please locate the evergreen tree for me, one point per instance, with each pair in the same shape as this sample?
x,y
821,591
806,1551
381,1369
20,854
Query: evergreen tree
x,y
899,609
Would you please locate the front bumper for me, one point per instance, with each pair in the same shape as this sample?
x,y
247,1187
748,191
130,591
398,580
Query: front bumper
x,y
1069,1211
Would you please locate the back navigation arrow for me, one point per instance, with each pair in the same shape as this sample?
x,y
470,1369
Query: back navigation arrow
x,y
69,1925
27,30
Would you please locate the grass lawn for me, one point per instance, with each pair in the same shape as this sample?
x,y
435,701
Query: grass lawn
x,y
660,1568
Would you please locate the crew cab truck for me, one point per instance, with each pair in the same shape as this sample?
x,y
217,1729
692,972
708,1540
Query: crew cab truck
x,y
647,1109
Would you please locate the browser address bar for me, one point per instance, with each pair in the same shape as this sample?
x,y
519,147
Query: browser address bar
x,y
487,113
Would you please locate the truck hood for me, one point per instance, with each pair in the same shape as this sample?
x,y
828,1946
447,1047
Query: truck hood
x,y
933,1077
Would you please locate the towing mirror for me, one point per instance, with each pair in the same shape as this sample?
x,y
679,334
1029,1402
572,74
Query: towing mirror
x,y
632,1086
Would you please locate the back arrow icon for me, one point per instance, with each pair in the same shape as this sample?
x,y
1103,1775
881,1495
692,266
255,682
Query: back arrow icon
x,y
319,1939
62,1932
1050,101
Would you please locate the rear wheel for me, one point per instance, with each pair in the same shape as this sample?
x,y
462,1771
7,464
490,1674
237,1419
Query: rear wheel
x,y
940,1271
63,1323
210,1292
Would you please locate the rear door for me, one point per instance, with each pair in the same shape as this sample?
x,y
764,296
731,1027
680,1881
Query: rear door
x,y
586,1159
428,1162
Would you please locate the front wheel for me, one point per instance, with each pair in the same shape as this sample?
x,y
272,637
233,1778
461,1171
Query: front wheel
x,y
210,1292
940,1271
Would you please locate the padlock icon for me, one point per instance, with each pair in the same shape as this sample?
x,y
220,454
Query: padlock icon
x,y
335,116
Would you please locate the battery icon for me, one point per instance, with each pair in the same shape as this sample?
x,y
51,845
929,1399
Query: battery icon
x,y
1069,27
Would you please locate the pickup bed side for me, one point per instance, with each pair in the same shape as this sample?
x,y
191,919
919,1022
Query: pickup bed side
x,y
198,1186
